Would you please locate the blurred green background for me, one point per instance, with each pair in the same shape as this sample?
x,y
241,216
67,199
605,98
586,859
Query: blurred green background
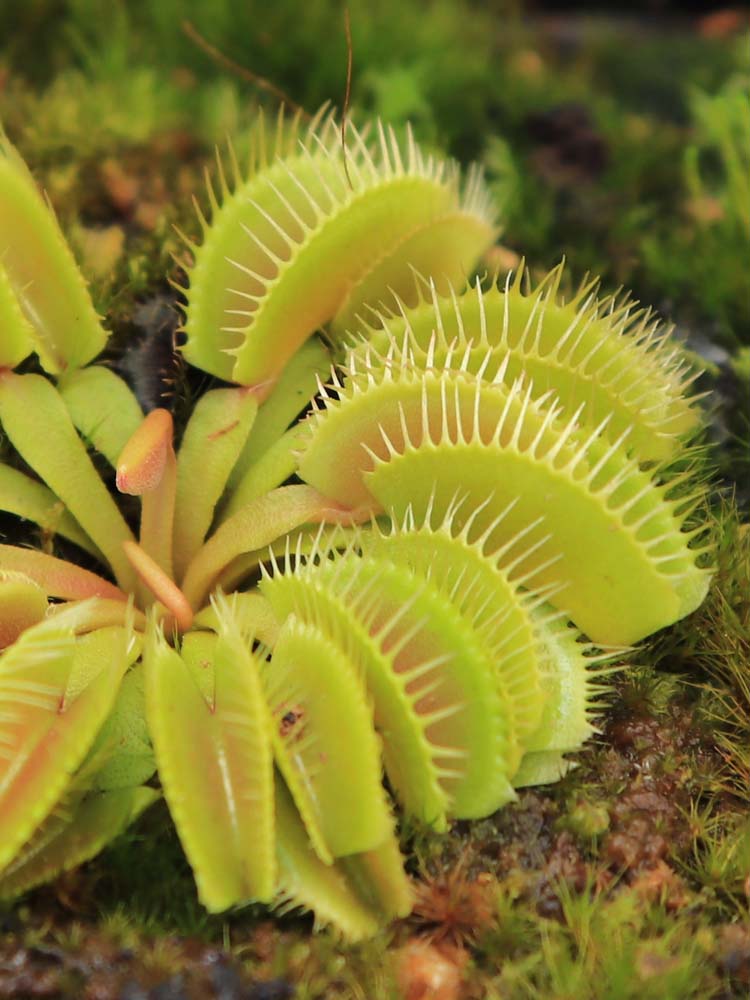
x,y
610,138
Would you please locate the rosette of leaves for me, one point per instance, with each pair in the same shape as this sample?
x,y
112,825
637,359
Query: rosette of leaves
x,y
493,480
102,663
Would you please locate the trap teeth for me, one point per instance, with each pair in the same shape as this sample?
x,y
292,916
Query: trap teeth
x,y
308,237
324,742
446,734
609,355
511,446
497,609
459,657
594,521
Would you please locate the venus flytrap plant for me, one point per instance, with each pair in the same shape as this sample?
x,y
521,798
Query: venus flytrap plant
x,y
542,668
603,352
467,665
321,743
241,832
148,468
219,783
399,437
300,212
307,237
179,496
481,469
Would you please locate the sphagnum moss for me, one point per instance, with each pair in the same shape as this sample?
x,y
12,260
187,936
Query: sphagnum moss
x,y
431,640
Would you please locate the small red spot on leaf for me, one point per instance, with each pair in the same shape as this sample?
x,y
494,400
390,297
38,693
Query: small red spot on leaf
x,y
223,430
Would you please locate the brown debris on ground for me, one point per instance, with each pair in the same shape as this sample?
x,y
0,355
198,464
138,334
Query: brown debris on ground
x,y
98,968
618,823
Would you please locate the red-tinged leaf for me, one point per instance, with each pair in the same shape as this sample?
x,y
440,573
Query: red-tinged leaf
x,y
75,833
216,768
44,735
160,584
141,464
56,576
147,468
157,516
